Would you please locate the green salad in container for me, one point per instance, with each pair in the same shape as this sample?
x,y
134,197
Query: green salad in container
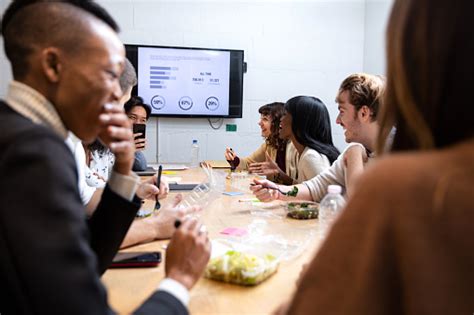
x,y
241,268
302,210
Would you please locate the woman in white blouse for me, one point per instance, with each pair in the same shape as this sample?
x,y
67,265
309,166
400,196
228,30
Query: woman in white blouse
x,y
306,123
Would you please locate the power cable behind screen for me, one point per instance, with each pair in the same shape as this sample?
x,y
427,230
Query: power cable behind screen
x,y
218,121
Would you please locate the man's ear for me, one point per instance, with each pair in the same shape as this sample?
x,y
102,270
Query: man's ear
x,y
365,114
51,63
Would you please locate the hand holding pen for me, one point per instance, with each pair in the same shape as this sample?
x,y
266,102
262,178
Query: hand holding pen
x,y
153,188
158,182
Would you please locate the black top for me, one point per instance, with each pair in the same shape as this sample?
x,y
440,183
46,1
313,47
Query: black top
x,y
281,158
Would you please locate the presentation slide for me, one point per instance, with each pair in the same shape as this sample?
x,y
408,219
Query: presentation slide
x,y
184,81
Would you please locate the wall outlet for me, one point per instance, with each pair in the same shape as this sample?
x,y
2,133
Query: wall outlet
x,y
230,127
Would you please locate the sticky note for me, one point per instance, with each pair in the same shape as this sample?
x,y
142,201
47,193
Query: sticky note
x,y
233,193
170,172
234,231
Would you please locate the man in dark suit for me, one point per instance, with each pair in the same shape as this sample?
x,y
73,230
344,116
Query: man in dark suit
x,y
66,63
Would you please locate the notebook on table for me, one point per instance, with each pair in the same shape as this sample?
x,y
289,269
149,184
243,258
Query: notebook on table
x,y
217,163
174,167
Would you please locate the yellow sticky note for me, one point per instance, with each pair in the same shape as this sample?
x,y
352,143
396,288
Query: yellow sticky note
x,y
170,172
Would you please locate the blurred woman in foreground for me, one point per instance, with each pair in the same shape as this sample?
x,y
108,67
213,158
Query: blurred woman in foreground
x,y
404,243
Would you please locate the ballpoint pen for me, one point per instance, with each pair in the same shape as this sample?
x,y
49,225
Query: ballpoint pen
x,y
158,181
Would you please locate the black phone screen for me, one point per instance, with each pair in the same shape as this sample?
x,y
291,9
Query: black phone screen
x,y
139,128
136,259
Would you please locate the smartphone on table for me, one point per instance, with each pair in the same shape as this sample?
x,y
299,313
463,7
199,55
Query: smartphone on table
x,y
136,259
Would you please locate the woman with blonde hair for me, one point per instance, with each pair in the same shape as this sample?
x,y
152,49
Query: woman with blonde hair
x,y
404,243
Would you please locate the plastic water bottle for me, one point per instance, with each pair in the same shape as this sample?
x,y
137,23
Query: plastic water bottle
x,y
329,209
195,154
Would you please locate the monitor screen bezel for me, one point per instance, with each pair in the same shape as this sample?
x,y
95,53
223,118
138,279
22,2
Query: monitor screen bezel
x,y
236,79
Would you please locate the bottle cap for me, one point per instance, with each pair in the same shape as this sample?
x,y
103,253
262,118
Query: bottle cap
x,y
334,189
195,141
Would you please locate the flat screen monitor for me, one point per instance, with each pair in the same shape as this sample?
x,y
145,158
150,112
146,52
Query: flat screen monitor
x,y
189,82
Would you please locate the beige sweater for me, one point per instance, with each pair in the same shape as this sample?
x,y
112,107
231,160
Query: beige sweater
x,y
334,175
403,245
259,156
308,165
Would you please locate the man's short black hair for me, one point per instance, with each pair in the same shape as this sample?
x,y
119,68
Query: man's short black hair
x,y
87,5
137,101
28,25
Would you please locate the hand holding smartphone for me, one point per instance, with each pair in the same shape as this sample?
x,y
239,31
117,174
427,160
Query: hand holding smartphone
x,y
139,133
139,128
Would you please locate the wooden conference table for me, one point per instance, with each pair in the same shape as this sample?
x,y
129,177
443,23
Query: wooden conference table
x,y
128,288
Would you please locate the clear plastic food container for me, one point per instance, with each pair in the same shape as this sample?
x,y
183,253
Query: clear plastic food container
x,y
241,268
302,210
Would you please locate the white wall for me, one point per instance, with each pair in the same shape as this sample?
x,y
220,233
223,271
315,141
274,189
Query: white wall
x,y
376,17
291,47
